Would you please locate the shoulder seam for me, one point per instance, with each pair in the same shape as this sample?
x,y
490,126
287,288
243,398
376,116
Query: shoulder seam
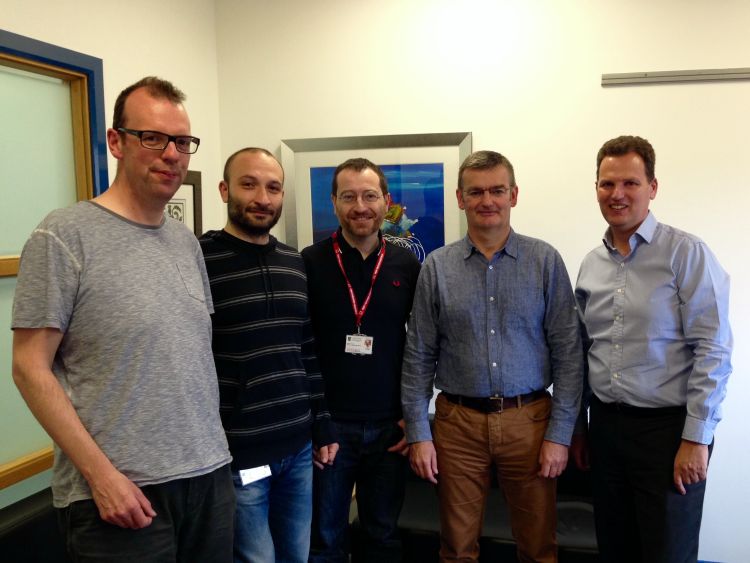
x,y
61,243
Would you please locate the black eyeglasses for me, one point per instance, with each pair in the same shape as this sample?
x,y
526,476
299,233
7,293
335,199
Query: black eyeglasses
x,y
158,141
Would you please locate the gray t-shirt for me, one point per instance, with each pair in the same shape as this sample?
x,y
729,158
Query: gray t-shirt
x,y
134,305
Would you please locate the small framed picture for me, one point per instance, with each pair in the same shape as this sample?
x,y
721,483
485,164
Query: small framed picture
x,y
186,205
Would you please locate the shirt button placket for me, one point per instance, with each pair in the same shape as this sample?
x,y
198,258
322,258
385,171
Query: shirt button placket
x,y
617,328
494,343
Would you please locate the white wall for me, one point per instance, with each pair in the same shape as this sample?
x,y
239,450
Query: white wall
x,y
524,77
173,39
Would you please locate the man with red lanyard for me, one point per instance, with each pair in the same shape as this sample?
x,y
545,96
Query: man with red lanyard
x,y
360,294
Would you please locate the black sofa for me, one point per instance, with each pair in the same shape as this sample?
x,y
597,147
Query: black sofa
x,y
419,523
29,532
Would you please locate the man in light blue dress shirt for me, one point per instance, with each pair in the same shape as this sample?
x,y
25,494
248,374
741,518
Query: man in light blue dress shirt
x,y
494,324
654,301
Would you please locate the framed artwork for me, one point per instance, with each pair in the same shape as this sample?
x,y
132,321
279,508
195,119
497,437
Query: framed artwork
x,y
421,171
186,205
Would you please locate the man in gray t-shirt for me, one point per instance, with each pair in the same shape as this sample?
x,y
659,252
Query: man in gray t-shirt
x,y
112,353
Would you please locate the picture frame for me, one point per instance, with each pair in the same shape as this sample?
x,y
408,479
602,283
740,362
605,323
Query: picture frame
x,y
186,205
300,156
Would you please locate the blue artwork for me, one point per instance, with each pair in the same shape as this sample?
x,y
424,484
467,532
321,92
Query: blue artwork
x,y
415,216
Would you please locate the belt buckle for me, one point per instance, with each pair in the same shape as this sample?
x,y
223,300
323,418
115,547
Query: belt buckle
x,y
496,403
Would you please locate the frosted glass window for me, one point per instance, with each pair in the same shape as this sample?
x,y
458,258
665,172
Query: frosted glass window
x,y
21,432
36,153
37,175
26,435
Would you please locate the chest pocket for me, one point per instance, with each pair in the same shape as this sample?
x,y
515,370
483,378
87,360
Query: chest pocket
x,y
192,281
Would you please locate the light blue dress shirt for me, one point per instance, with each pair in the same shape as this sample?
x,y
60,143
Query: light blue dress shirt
x,y
657,325
505,327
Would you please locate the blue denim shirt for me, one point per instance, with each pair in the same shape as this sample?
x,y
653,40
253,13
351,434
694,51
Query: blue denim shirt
x,y
657,325
506,326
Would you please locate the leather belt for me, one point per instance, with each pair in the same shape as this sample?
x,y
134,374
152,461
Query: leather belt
x,y
638,412
495,404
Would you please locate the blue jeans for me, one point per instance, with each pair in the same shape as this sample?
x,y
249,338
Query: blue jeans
x,y
380,477
272,522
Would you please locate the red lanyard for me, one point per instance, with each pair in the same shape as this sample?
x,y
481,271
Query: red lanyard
x,y
358,312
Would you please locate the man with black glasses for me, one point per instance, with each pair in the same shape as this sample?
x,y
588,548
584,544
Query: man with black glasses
x,y
112,353
493,326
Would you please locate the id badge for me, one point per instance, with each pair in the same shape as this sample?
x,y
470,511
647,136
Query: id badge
x,y
254,474
360,344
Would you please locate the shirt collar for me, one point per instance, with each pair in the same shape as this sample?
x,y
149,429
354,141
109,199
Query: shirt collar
x,y
645,232
510,248
346,247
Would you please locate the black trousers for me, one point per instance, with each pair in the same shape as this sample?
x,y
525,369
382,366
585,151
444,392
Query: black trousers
x,y
194,523
639,514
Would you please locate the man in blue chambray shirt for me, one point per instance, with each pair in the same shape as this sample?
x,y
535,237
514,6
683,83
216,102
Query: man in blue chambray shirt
x,y
493,326
654,301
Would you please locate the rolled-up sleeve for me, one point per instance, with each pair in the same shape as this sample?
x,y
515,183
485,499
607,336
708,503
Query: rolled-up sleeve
x,y
420,356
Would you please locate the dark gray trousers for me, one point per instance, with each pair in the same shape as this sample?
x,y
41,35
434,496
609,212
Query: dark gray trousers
x,y
194,524
639,514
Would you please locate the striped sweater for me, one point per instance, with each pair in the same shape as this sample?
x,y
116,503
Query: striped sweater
x,y
271,390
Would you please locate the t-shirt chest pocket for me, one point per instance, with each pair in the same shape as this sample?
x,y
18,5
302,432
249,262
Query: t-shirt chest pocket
x,y
192,281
